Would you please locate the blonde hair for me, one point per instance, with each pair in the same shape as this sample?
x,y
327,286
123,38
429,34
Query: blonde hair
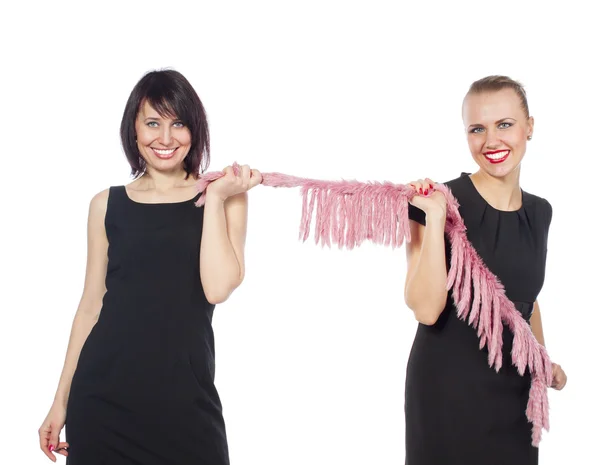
x,y
496,83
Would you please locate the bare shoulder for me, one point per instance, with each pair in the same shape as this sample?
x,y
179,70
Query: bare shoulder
x,y
98,208
99,202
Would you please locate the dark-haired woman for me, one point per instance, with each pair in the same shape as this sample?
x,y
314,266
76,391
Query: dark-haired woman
x,y
137,385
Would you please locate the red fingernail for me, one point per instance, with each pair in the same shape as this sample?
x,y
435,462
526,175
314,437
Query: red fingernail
x,y
50,447
426,191
420,190
431,186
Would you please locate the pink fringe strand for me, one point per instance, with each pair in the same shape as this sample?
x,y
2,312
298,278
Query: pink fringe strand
x,y
350,212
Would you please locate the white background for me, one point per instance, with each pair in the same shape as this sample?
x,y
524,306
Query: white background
x,y
312,349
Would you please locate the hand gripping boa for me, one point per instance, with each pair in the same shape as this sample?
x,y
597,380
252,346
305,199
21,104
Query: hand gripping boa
x,y
349,212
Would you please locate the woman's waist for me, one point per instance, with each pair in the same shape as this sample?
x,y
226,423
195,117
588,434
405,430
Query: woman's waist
x,y
153,328
133,301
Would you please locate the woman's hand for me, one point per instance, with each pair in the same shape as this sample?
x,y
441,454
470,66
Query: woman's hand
x,y
559,378
231,184
428,199
49,432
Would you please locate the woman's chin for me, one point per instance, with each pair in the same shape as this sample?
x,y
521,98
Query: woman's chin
x,y
499,170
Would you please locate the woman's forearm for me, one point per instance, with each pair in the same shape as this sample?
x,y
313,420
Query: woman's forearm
x,y
536,324
84,321
425,291
221,270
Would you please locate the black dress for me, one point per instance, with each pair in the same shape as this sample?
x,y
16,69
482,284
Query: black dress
x,y
459,411
143,392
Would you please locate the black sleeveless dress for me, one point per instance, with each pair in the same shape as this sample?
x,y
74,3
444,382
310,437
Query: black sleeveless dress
x,y
143,392
459,411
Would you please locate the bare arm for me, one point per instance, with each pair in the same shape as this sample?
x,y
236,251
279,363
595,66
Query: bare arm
x,y
222,248
93,291
536,324
85,319
425,289
559,377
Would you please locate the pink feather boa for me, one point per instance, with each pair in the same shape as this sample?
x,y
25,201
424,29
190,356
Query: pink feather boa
x,y
349,212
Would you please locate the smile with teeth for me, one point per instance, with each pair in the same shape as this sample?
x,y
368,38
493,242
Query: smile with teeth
x,y
164,153
497,157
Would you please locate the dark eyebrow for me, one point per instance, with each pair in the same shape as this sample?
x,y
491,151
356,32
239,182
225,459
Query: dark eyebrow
x,y
150,118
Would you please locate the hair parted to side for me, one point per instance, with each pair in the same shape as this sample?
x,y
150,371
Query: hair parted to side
x,y
171,95
496,83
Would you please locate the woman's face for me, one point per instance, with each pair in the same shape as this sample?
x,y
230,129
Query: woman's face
x,y
497,130
163,142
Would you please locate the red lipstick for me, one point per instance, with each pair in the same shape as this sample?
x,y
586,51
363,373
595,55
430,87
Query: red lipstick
x,y
496,156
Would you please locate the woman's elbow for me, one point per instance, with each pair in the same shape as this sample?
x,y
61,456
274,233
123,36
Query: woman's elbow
x,y
215,298
427,318
426,314
219,294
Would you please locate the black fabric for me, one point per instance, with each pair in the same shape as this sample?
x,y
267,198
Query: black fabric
x,y
143,391
459,411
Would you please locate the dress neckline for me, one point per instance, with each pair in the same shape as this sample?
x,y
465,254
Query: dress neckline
x,y
183,202
471,184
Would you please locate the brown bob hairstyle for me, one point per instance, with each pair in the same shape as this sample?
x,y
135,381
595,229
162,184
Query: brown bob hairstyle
x,y
171,95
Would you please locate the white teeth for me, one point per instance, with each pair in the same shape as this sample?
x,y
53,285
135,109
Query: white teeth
x,y
164,152
497,156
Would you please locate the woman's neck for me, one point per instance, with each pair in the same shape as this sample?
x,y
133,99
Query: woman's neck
x,y
165,181
501,193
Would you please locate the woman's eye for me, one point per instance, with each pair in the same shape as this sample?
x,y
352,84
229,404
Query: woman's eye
x,y
505,125
152,124
476,130
178,124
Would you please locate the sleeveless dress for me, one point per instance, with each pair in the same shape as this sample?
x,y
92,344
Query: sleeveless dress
x,y
459,411
143,391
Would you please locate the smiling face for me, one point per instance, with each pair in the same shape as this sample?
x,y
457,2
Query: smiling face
x,y
163,141
497,129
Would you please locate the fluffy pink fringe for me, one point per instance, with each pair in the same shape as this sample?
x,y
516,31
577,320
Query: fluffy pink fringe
x,y
349,212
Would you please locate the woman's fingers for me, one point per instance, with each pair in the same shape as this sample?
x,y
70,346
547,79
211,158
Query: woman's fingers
x,y
255,178
422,186
44,433
559,378
244,175
62,449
